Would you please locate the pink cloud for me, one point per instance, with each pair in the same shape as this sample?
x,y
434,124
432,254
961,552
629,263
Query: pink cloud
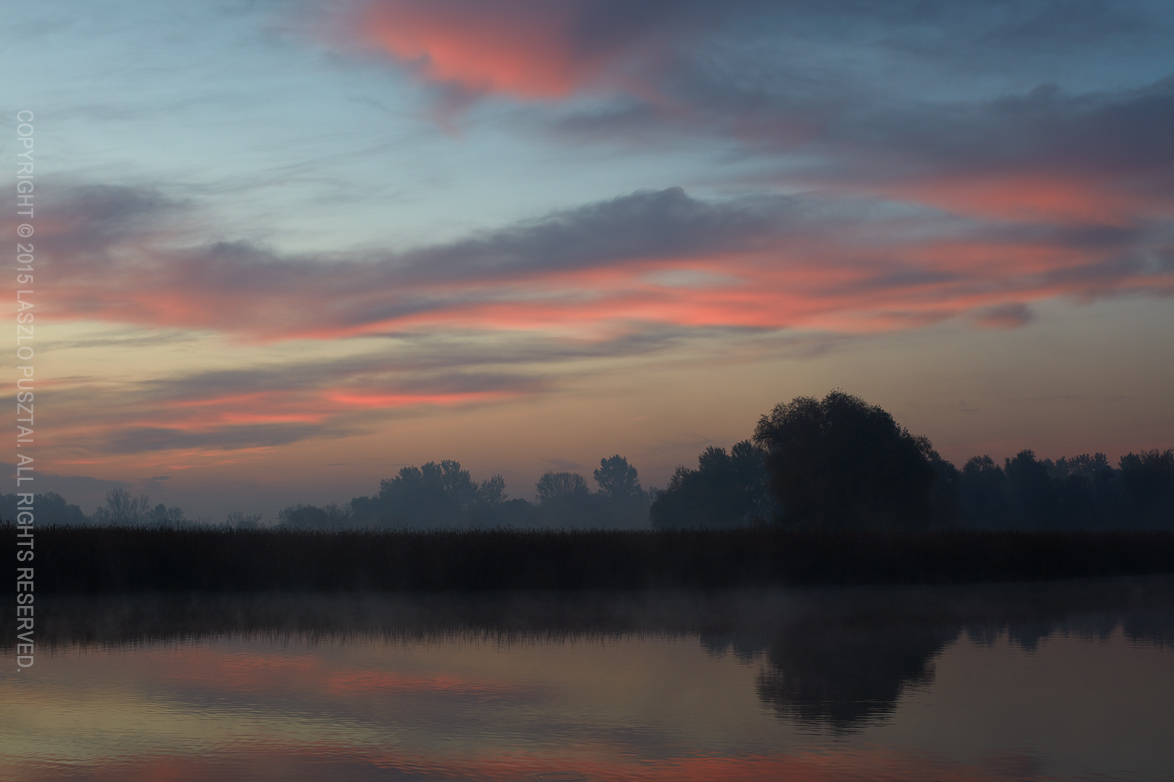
x,y
521,48
1089,199
884,275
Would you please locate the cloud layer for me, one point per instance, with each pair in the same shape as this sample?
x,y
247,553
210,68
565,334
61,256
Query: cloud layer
x,y
648,259
815,170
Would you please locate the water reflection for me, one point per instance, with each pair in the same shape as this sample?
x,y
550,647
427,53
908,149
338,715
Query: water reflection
x,y
1063,681
843,658
844,675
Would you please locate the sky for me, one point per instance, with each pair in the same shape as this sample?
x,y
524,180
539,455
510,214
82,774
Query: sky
x,y
285,248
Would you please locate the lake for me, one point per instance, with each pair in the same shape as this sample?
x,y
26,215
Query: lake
x,y
1063,681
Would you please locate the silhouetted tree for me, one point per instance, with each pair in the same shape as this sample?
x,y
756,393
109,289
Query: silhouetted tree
x,y
48,508
1033,499
618,480
1093,468
621,501
944,504
983,495
1079,492
840,462
558,485
312,517
432,495
565,501
1147,482
163,516
726,490
123,509
493,508
1086,491
240,520
512,513
491,492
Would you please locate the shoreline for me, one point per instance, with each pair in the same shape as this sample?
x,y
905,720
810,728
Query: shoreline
x,y
1141,605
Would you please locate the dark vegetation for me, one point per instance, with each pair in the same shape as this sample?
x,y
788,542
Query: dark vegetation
x,y
835,659
832,464
725,491
130,559
842,464
432,496
829,491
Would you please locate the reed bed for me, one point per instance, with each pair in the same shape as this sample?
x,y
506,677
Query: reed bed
x,y
96,560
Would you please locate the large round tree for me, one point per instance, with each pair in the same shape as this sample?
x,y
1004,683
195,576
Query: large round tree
x,y
840,462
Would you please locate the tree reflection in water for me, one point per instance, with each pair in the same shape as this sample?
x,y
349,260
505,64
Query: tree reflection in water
x,y
833,659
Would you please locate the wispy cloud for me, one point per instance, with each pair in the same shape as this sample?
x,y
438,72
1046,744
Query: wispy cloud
x,y
615,267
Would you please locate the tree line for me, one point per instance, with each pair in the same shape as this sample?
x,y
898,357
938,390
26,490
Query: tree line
x,y
832,463
841,463
434,495
443,495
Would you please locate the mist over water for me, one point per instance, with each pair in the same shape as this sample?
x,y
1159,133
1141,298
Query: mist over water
x,y
1070,680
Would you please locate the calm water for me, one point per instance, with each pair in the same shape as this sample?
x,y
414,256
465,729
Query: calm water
x,y
1023,683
